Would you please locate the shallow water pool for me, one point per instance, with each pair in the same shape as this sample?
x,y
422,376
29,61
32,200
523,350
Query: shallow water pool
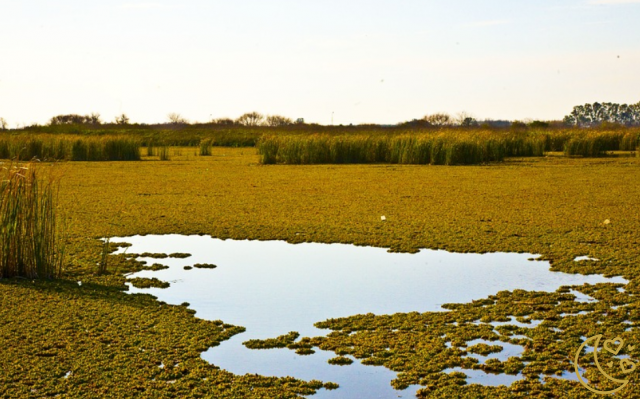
x,y
273,287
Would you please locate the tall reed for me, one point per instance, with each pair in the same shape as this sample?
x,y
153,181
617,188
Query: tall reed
x,y
205,147
594,144
73,148
163,153
435,149
30,242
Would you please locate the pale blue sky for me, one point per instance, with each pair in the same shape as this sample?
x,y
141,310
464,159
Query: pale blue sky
x,y
378,61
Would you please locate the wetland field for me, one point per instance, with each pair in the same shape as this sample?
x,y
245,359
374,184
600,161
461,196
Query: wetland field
x,y
291,267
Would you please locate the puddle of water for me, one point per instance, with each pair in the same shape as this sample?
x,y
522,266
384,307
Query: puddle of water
x,y
272,287
482,378
513,322
585,257
580,297
567,375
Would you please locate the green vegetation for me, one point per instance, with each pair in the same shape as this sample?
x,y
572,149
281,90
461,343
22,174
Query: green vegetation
x,y
113,342
280,342
140,282
204,266
155,267
205,147
597,143
72,148
163,153
30,242
309,144
441,148
340,361
179,255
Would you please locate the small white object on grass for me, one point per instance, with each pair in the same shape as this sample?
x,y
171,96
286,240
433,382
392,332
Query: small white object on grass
x,y
79,283
383,218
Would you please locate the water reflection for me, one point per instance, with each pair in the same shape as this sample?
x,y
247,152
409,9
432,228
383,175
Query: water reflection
x,y
272,287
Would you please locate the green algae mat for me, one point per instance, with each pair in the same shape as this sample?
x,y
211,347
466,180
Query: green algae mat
x,y
82,336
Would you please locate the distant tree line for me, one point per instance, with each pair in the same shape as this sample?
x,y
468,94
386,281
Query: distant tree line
x,y
597,113
247,119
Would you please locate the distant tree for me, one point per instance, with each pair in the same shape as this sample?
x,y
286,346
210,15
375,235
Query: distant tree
x,y
415,123
75,119
223,122
438,119
469,122
518,125
599,113
177,119
93,119
3,124
250,119
496,123
539,125
122,119
277,120
465,119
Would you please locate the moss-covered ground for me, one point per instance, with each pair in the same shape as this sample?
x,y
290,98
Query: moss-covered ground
x,y
82,336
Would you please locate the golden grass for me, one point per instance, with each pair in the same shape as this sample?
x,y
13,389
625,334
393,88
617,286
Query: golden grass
x,y
113,342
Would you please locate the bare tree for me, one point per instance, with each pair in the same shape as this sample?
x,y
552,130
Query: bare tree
x,y
250,119
177,119
3,124
465,119
94,119
438,119
122,119
277,120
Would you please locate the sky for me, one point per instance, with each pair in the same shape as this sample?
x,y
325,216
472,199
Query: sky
x,y
353,61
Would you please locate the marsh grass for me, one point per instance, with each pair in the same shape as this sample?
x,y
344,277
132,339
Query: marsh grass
x,y
435,149
205,147
163,153
104,256
30,239
595,144
150,149
73,148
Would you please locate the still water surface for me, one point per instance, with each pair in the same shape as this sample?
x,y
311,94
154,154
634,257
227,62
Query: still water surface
x,y
273,287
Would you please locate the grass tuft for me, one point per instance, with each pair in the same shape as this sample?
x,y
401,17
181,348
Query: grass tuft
x,y
30,244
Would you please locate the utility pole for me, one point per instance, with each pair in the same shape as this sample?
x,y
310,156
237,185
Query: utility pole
x,y
332,112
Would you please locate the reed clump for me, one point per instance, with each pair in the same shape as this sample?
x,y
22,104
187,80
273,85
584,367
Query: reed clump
x,y
595,144
435,149
163,153
205,147
106,149
71,148
30,238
